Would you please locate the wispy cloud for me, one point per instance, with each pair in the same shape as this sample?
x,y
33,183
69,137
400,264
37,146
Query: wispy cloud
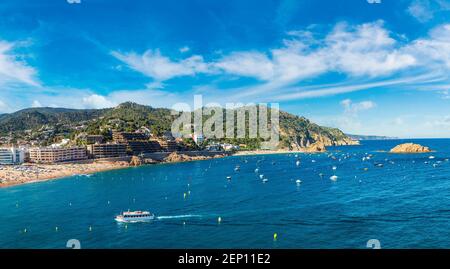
x,y
424,10
97,101
354,108
14,70
366,50
159,67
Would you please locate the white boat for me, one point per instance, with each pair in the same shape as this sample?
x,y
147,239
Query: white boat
x,y
135,216
334,178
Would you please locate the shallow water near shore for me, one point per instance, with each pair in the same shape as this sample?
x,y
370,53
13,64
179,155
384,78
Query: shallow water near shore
x,y
403,202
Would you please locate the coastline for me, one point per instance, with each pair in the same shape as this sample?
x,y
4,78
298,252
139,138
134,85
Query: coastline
x,y
32,173
13,175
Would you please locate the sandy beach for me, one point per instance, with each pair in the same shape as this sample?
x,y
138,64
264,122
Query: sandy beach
x,y
28,173
11,175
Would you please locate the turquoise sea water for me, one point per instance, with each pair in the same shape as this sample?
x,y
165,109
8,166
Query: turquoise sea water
x,y
405,203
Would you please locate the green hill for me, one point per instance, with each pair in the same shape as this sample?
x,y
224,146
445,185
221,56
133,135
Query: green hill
x,y
296,132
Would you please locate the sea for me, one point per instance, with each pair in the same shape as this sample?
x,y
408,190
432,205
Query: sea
x,y
394,200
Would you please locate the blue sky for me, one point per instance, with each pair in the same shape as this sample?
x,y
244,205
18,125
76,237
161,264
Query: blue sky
x,y
364,68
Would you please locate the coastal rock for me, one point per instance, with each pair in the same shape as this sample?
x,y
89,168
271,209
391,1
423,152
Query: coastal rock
x,y
410,148
136,161
177,157
316,147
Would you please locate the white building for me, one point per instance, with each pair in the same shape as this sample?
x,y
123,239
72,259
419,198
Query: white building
x,y
11,156
198,138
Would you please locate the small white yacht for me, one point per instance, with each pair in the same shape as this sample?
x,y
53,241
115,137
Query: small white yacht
x,y
135,216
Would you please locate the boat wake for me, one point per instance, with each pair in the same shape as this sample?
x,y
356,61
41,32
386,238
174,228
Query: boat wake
x,y
178,217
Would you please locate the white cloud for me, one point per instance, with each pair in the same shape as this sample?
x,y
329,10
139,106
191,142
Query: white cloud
x,y
366,49
434,49
443,123
160,68
12,69
421,10
249,64
97,101
425,10
354,108
368,56
184,49
36,103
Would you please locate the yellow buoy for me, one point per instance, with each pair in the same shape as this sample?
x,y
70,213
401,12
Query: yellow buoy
x,y
275,236
184,196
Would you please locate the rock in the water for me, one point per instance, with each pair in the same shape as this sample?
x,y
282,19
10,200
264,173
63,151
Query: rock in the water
x,y
316,147
410,148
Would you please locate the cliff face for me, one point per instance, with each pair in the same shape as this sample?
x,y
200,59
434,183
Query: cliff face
x,y
298,133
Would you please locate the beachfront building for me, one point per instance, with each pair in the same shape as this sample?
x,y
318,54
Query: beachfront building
x,y
137,143
10,156
124,137
107,150
55,155
213,147
168,145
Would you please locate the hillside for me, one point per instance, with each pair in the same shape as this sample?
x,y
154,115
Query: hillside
x,y
31,124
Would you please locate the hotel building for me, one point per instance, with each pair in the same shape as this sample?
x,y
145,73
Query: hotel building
x,y
11,156
55,155
107,150
137,143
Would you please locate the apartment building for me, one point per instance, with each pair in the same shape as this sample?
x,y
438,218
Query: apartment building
x,y
107,150
55,155
10,156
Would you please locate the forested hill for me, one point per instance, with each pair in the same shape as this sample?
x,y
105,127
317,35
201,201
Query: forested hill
x,y
296,132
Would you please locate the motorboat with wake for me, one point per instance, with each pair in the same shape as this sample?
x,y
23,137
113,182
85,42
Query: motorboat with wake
x,y
135,216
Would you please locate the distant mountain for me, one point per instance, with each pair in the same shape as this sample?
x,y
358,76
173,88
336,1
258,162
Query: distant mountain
x,y
370,137
296,132
32,118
